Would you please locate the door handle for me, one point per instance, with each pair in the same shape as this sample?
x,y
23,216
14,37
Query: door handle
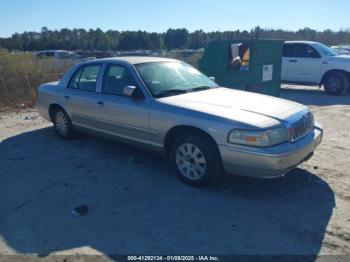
x,y
100,103
66,97
293,61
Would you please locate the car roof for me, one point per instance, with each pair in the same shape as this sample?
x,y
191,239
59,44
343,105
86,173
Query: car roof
x,y
134,59
301,42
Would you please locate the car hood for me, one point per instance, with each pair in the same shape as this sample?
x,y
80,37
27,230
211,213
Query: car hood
x,y
253,109
340,58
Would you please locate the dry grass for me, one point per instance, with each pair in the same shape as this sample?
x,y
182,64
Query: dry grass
x,y
22,73
20,76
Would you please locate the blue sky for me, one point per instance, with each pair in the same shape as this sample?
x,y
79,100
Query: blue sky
x,y
159,15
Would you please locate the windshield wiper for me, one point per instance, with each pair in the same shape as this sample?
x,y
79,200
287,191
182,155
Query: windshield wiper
x,y
181,91
170,92
200,88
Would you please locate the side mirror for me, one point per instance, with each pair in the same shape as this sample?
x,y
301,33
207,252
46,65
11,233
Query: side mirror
x,y
212,78
133,92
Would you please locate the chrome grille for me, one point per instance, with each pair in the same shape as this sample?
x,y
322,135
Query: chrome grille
x,y
302,127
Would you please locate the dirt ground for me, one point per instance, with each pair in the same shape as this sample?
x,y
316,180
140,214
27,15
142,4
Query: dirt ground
x,y
138,206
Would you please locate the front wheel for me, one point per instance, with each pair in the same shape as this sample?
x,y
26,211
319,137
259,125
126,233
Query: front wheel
x,y
196,160
336,83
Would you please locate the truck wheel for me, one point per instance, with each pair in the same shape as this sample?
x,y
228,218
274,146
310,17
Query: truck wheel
x,y
63,124
336,83
196,160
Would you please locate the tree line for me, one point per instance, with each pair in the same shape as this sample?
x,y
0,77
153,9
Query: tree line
x,y
96,39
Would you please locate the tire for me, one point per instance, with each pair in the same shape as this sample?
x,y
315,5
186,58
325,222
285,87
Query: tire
x,y
63,125
336,83
196,160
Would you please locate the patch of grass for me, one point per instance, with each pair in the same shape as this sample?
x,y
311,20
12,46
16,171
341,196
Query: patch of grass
x,y
22,73
20,76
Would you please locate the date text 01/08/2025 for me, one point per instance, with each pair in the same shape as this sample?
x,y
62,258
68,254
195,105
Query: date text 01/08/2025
x,y
173,258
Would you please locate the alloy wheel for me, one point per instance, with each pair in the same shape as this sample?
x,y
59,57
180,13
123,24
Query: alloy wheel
x,y
191,161
61,123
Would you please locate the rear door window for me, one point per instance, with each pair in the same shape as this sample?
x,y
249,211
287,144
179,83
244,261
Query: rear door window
x,y
287,50
85,78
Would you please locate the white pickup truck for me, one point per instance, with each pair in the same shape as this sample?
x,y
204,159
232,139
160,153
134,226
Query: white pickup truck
x,y
315,63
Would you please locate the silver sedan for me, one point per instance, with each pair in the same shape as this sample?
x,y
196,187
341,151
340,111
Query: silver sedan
x,y
171,108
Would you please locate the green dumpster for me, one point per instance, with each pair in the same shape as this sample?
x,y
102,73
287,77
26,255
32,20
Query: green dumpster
x,y
251,65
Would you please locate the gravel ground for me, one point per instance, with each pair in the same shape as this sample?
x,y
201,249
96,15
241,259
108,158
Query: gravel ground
x,y
137,205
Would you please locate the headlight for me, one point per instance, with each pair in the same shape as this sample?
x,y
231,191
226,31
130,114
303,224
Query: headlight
x,y
258,138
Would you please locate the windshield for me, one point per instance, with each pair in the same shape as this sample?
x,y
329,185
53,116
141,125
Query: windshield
x,y
172,78
326,50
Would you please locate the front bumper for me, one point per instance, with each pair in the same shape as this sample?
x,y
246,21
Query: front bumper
x,y
271,161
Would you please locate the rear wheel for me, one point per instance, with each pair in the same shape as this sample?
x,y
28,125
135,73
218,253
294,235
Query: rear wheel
x,y
63,124
336,83
196,160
